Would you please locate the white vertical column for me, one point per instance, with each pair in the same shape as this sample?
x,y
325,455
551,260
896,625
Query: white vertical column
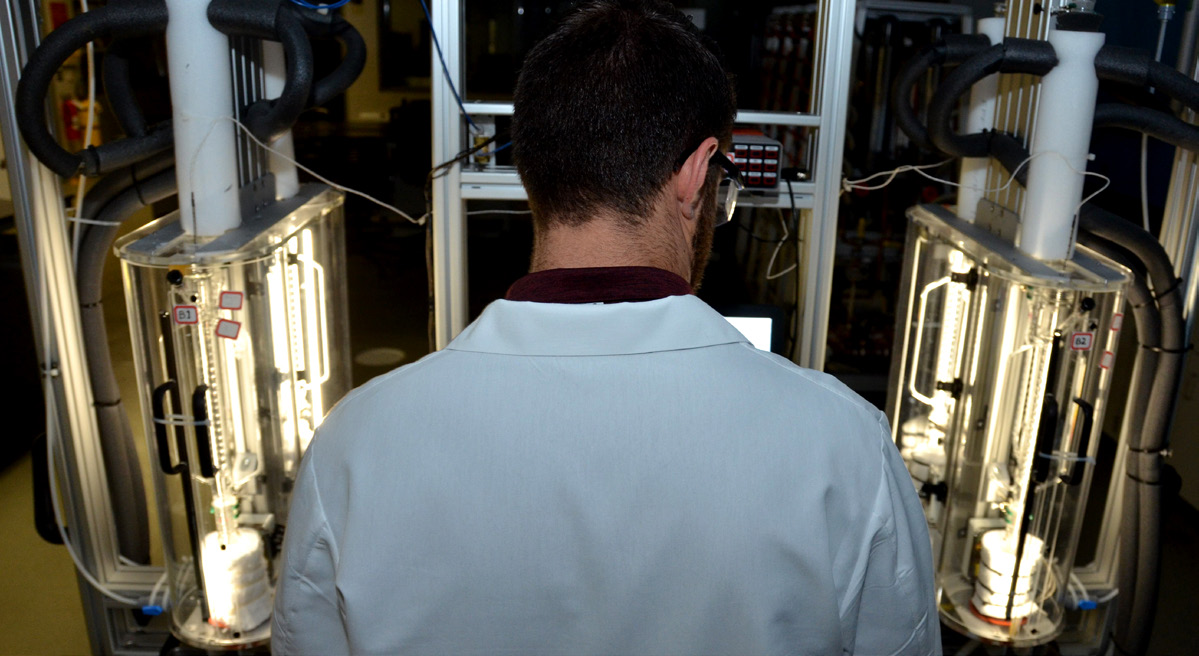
x,y
449,216
201,81
835,45
1060,147
287,183
973,172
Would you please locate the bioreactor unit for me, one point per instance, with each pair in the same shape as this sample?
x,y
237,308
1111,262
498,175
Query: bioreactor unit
x,y
997,397
241,348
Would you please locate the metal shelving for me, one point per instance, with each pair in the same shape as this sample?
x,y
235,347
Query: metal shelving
x,y
817,197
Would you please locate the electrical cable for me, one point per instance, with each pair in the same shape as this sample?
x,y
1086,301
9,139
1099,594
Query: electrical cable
x,y
514,212
314,174
777,248
856,185
52,436
449,79
334,5
786,235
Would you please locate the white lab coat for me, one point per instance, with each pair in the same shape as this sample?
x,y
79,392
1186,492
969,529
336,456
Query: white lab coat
x,y
630,478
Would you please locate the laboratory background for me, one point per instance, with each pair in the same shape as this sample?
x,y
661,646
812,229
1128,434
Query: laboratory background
x,y
982,217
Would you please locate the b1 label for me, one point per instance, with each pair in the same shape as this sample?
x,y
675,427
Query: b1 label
x,y
186,314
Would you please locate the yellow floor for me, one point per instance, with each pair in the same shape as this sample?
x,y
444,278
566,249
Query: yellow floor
x,y
40,611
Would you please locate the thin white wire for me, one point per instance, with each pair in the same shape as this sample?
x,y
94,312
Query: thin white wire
x,y
52,429
473,212
158,586
1073,587
849,185
246,130
80,189
325,180
777,248
1107,182
73,219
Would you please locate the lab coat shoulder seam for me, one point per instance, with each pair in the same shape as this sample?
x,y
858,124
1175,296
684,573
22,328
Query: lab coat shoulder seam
x,y
373,386
795,370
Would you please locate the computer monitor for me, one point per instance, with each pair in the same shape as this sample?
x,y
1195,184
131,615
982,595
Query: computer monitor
x,y
762,325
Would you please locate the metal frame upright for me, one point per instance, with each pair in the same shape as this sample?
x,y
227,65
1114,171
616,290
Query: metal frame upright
x,y
45,248
818,196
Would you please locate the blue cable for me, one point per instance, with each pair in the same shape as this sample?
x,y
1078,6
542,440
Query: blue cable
x,y
333,5
444,68
500,148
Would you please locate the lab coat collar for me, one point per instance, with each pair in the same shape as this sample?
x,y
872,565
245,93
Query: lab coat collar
x,y
557,329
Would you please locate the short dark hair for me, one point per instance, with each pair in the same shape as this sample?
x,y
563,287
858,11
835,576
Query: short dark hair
x,y
610,104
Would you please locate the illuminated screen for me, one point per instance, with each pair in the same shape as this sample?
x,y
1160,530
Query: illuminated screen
x,y
757,330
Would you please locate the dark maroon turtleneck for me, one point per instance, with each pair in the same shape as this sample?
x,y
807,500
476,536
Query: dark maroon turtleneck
x,y
598,285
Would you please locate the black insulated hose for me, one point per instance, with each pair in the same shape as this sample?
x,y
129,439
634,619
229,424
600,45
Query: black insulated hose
x,y
118,88
1011,56
1152,122
267,120
1137,68
1148,323
1145,456
121,463
335,83
951,50
128,18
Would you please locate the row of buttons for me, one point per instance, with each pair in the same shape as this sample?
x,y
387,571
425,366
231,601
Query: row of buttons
x,y
755,150
759,164
759,179
767,165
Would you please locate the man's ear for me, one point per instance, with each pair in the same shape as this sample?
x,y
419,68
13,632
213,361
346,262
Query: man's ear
x,y
690,178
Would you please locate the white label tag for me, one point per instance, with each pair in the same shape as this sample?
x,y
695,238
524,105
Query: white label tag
x,y
186,314
1107,360
228,329
1081,341
1118,321
231,300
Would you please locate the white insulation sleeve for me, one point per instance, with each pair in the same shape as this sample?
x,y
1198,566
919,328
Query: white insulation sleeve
x,y
1060,147
287,183
973,171
201,82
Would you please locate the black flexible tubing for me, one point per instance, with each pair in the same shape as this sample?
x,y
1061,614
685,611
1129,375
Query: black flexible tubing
x,y
952,50
1145,461
1148,323
128,18
1012,154
267,120
1137,68
1011,56
118,88
121,463
1157,124
109,186
352,63
901,96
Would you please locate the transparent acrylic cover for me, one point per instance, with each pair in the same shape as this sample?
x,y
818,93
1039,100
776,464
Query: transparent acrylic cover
x,y
996,404
241,348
